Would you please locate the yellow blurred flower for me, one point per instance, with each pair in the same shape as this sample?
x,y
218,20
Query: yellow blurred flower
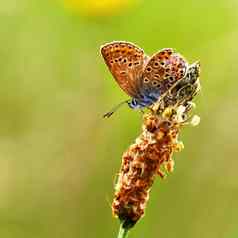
x,y
98,7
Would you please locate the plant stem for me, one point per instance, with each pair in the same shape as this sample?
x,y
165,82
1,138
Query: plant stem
x,y
122,232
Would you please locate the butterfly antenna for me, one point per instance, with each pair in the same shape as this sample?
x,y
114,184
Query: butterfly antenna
x,y
108,114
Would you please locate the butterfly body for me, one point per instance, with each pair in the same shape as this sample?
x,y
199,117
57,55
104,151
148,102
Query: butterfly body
x,y
146,99
145,79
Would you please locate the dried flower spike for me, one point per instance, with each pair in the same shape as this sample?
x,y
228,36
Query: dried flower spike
x,y
151,154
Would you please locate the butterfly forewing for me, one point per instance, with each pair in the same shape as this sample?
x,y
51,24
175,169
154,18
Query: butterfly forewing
x,y
126,62
163,70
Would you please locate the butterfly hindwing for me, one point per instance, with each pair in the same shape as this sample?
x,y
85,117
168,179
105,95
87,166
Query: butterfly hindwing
x,y
126,62
163,70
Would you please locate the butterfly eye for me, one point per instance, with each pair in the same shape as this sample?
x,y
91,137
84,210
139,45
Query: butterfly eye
x,y
146,80
130,64
124,61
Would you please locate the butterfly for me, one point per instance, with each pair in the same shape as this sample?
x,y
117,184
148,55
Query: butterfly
x,y
145,79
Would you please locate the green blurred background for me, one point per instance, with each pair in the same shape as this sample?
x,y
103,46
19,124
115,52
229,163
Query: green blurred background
x,y
58,157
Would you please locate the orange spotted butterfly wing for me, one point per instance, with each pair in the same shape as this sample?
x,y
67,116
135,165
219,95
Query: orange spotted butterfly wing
x,y
163,70
126,62
144,79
